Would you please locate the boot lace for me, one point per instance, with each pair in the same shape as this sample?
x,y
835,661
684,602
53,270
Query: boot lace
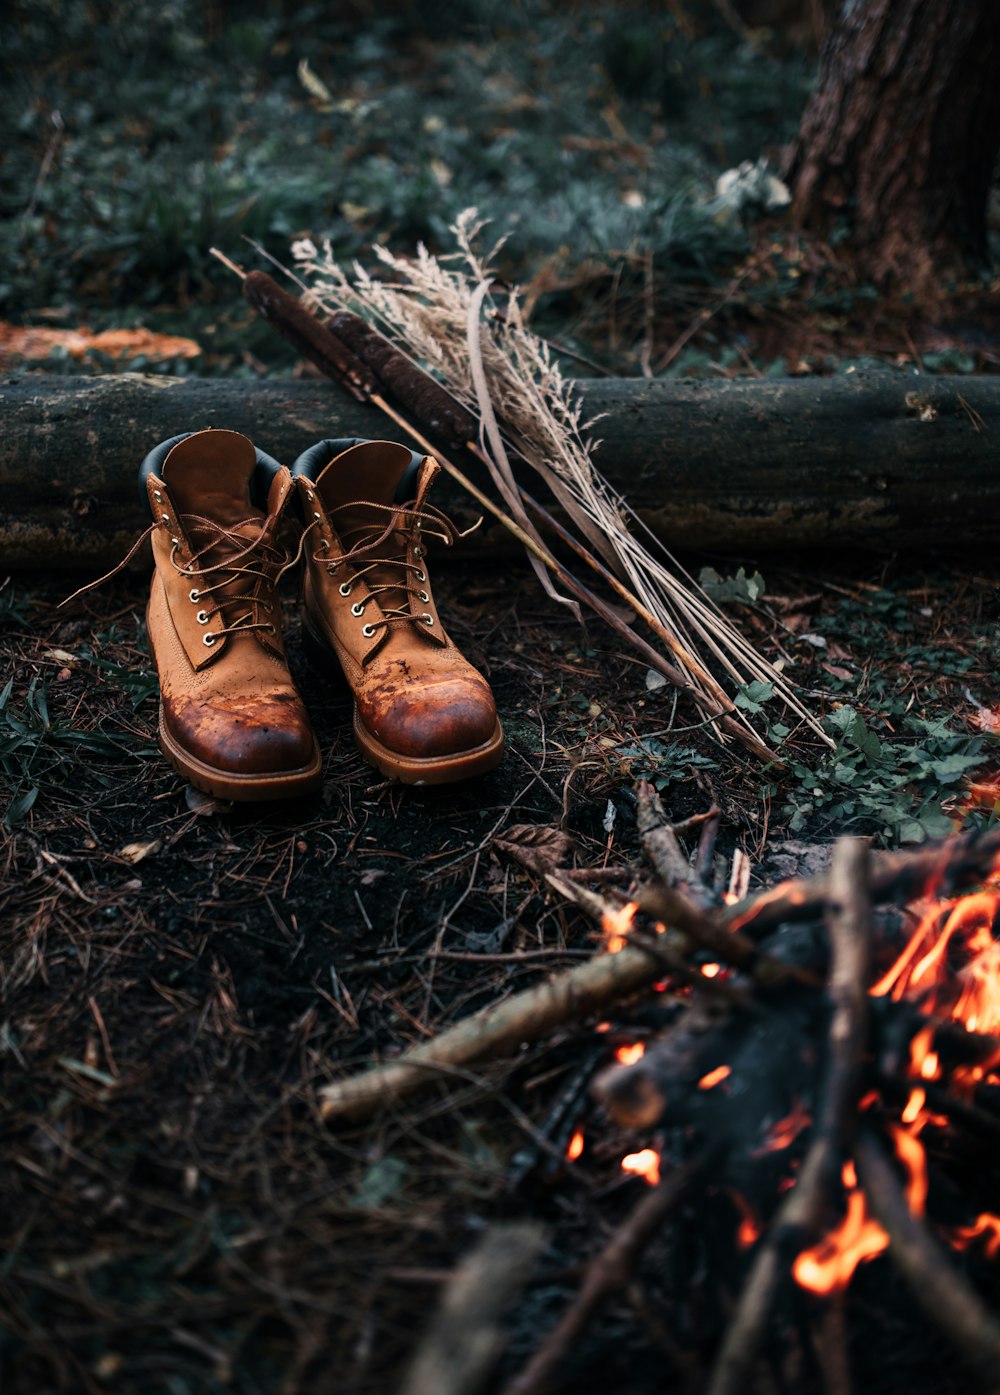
x,y
394,573
252,564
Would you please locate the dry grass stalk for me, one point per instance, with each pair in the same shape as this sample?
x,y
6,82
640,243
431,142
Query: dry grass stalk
x,y
441,312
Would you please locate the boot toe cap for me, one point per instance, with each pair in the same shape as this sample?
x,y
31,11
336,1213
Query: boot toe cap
x,y
244,736
432,719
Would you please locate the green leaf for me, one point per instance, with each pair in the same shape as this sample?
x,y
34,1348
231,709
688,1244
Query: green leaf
x,y
17,808
731,588
752,696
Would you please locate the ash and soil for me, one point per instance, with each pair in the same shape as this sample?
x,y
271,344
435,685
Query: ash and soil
x,y
178,1218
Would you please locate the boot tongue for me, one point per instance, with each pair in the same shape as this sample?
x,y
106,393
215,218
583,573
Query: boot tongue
x,y
209,474
367,473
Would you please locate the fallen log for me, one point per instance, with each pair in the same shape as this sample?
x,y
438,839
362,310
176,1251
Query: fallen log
x,y
876,460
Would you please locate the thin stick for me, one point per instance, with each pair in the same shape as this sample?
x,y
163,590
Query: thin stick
x,y
848,922
661,846
945,1295
489,1033
607,1273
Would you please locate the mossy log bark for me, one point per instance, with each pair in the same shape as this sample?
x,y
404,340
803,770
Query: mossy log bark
x,y
880,461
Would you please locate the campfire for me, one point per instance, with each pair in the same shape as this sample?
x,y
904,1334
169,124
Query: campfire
x,y
826,1075
829,1074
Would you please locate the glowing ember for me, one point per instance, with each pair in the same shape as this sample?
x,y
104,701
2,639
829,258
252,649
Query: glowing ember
x,y
786,1130
912,1155
616,925
628,1055
714,1077
710,970
914,1106
748,1232
575,1147
645,1163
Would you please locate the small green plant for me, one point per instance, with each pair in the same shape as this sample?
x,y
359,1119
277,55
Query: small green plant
x,y
894,787
37,750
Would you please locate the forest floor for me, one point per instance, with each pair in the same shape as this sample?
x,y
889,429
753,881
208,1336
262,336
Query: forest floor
x,y
181,977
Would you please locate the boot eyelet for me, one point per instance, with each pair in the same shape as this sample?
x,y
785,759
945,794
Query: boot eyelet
x,y
358,608
208,638
423,596
270,629
324,544
427,619
164,517
345,588
157,496
367,631
202,618
317,518
418,552
421,576
194,596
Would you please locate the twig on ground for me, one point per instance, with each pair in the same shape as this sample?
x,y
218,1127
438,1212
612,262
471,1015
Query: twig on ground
x,y
466,1339
498,1028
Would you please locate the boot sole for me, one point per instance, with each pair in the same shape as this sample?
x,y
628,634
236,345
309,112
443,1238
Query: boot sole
x,y
409,770
226,784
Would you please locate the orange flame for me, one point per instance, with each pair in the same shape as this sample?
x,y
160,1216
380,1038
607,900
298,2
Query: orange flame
x,y
616,925
575,1146
748,1232
785,1131
628,1055
645,1163
985,1225
829,1266
714,1077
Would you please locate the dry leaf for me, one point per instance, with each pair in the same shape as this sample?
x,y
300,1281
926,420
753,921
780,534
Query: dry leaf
x,y
138,852
200,803
30,342
536,846
60,656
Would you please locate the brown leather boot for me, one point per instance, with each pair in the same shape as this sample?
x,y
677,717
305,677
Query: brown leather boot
x,y
422,713
231,720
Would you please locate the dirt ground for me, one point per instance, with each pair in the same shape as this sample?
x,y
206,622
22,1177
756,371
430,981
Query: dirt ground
x,y
180,978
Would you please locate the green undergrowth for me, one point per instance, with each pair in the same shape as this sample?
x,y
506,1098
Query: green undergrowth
x,y
142,135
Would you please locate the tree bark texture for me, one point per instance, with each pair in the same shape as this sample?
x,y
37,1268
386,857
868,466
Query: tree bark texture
x,y
883,461
901,137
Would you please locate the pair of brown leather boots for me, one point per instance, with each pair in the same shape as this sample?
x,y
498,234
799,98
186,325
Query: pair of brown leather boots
x,y
231,719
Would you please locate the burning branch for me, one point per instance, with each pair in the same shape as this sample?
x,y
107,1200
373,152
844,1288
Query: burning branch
x,y
945,1295
848,921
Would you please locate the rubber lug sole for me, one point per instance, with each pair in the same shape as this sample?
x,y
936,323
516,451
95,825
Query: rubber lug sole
x,y
225,784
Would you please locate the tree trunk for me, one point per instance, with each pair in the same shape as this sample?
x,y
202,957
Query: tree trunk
x,y
880,460
900,138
